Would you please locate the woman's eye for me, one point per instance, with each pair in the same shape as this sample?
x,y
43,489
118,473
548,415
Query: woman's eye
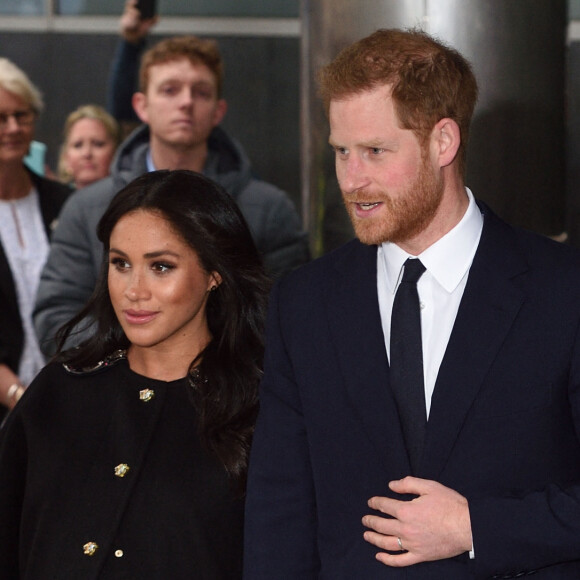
x,y
119,263
162,267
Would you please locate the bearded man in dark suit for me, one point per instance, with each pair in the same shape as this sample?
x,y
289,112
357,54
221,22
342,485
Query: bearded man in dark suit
x,y
420,406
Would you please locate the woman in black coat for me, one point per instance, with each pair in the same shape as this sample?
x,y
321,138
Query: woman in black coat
x,y
127,456
29,206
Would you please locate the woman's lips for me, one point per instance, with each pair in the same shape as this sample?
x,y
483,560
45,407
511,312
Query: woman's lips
x,y
139,316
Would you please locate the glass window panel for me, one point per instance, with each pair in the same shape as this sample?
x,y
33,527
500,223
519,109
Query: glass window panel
x,y
228,8
22,7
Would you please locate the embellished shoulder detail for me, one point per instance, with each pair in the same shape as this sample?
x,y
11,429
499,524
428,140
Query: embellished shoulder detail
x,y
108,361
195,379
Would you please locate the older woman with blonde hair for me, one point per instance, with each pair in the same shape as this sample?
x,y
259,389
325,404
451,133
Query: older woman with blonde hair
x,y
29,206
91,137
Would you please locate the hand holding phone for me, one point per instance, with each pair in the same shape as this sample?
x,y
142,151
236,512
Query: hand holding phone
x,y
147,8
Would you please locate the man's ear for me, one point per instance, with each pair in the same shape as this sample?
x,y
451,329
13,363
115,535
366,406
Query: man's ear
x,y
220,112
139,102
446,139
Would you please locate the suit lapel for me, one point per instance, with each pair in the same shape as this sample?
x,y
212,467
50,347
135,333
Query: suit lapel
x,y
355,325
487,311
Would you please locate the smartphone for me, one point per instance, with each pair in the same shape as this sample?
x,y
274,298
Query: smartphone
x,y
147,8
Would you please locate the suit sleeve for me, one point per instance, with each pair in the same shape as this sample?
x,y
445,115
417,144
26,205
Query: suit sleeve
x,y
69,275
280,535
519,533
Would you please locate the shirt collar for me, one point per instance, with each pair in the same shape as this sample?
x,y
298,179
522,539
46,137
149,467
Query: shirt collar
x,y
448,259
149,159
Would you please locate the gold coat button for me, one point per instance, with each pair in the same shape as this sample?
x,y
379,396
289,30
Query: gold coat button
x,y
146,395
118,553
90,548
121,470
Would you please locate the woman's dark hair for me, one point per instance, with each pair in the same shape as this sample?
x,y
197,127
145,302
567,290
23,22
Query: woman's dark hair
x,y
209,221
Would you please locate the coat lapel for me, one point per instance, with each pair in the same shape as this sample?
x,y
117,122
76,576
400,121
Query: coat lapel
x,y
355,325
51,196
7,287
487,311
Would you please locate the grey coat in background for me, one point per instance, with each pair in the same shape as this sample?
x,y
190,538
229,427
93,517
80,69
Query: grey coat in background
x,y
75,258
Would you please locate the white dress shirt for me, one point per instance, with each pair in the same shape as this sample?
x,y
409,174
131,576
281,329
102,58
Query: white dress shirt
x,y
440,288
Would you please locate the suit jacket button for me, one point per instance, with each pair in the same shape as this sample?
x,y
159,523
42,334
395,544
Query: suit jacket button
x,y
118,553
90,548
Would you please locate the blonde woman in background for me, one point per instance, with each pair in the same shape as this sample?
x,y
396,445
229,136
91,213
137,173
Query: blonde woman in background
x,y
29,206
91,137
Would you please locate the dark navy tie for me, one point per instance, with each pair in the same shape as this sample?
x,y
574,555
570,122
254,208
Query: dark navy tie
x,y
406,361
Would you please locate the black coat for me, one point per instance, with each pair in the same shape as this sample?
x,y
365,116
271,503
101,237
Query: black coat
x,y
98,480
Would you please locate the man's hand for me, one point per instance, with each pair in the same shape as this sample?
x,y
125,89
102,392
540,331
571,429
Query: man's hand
x,y
433,526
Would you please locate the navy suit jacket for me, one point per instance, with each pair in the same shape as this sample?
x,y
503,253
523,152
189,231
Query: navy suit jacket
x,y
502,431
